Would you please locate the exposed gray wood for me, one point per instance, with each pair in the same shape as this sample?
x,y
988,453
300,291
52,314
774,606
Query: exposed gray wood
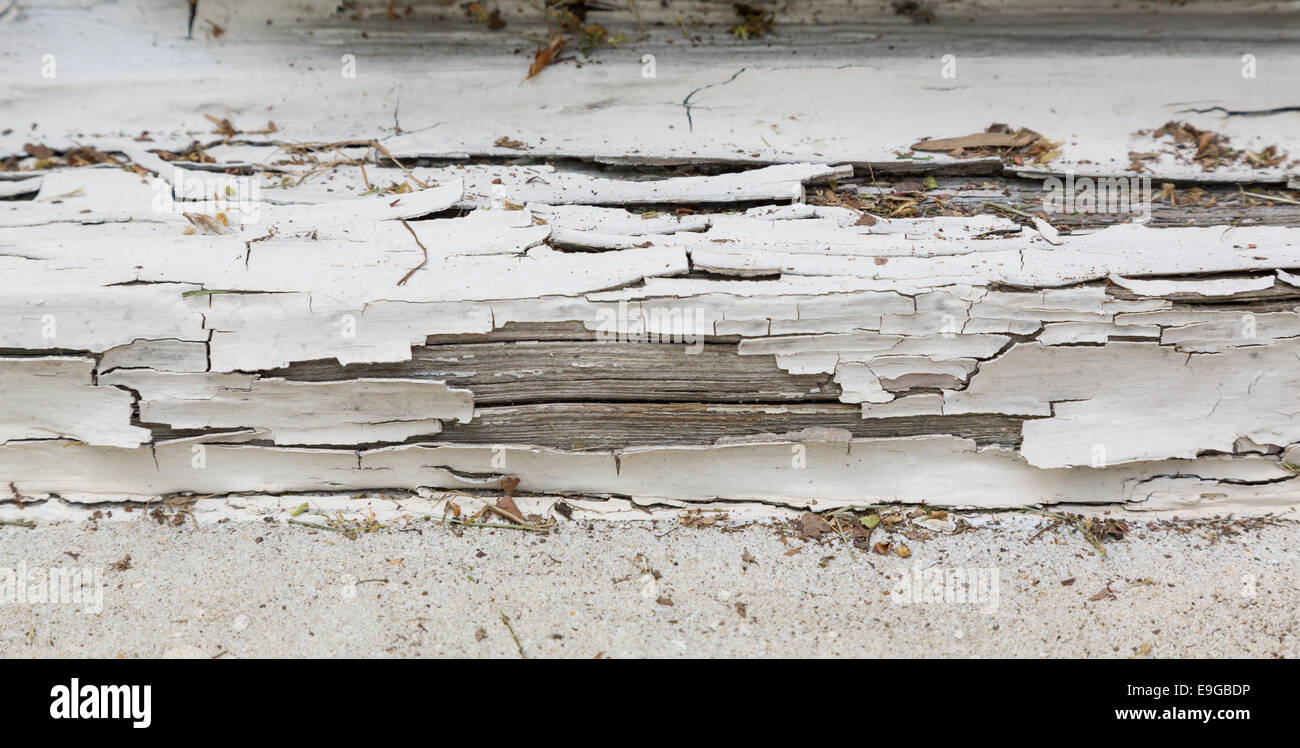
x,y
542,371
610,426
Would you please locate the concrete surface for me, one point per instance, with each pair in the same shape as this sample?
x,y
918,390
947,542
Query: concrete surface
x,y
269,589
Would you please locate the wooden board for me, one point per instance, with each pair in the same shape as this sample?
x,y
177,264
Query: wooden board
x,y
734,280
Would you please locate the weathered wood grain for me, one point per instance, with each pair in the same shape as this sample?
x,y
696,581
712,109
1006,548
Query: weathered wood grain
x,y
528,372
618,426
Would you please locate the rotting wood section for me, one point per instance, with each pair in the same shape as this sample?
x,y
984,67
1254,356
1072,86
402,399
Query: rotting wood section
x,y
950,359
745,331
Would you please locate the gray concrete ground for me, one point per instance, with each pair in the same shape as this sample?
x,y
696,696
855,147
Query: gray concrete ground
x,y
602,589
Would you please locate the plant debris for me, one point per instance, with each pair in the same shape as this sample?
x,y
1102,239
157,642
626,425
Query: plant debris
x,y
755,23
1104,594
514,636
47,158
812,526
1095,531
1215,528
570,19
1209,149
505,142
697,518
1018,146
227,130
484,17
201,223
546,55
917,11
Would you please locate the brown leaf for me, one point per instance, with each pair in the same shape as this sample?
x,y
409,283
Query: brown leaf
x,y
978,140
664,600
546,55
36,150
812,526
1067,582
507,505
882,548
903,551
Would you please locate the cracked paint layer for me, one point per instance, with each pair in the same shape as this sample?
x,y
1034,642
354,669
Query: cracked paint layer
x,y
608,325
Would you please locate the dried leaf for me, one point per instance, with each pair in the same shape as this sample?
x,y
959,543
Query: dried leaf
x,y
813,526
546,55
510,508
35,150
978,140
504,142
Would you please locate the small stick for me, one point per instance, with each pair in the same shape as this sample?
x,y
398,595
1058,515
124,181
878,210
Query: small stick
x,y
411,272
1278,198
314,525
1078,525
511,629
501,525
380,147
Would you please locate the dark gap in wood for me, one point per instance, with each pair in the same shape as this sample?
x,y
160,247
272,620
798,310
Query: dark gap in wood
x,y
536,372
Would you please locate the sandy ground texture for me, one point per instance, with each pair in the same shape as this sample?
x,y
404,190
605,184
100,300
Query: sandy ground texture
x,y
1191,588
